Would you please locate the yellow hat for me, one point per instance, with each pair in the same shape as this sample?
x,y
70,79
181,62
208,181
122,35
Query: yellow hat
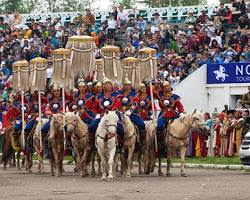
x,y
166,83
142,85
81,82
106,80
126,81
55,87
98,84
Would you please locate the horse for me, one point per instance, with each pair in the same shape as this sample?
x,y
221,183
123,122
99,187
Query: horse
x,y
106,141
129,145
177,135
11,145
149,153
56,139
77,130
36,144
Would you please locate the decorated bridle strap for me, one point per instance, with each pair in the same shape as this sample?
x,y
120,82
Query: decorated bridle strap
x,y
106,138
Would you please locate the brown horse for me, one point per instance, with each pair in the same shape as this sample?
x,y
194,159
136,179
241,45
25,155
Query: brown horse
x,y
77,130
56,139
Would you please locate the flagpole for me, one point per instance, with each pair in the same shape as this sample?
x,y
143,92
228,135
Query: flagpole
x,y
64,135
40,122
23,120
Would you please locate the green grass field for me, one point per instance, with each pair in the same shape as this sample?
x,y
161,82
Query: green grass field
x,y
207,160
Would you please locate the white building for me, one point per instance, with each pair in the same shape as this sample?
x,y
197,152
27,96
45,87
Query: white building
x,y
196,93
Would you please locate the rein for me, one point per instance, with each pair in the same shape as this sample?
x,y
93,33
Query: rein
x,y
106,138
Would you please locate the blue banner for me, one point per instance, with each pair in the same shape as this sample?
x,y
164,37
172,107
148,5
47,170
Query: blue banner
x,y
228,73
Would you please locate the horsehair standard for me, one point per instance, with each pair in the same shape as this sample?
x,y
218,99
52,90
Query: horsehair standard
x,y
20,81
82,54
131,69
111,63
61,68
38,75
148,64
98,76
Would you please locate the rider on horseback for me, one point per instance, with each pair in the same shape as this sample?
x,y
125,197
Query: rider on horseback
x,y
143,103
83,102
33,110
129,106
15,113
55,105
170,106
107,100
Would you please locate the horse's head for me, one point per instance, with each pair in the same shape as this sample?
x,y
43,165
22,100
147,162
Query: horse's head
x,y
111,120
198,120
71,120
58,121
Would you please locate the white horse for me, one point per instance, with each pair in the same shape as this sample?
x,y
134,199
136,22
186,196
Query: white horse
x,y
106,140
78,130
177,135
36,143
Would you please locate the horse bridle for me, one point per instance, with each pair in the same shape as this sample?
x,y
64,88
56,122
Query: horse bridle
x,y
188,126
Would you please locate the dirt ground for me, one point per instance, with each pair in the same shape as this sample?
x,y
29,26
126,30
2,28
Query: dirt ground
x,y
200,184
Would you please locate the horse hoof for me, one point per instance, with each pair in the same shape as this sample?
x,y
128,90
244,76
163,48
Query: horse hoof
x,y
110,177
52,174
29,171
160,173
147,172
168,174
75,170
104,178
128,175
184,175
92,173
140,173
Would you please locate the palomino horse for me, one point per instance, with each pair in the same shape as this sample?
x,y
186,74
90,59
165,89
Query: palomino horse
x,y
106,140
149,153
129,144
12,144
36,144
56,139
177,135
77,130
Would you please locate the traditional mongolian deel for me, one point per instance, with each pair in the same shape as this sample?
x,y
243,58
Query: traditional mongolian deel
x,y
228,73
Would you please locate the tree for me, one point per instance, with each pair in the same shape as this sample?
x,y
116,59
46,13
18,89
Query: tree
x,y
174,3
10,6
225,1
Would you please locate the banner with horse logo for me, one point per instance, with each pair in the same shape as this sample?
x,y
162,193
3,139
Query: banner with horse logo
x,y
228,73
